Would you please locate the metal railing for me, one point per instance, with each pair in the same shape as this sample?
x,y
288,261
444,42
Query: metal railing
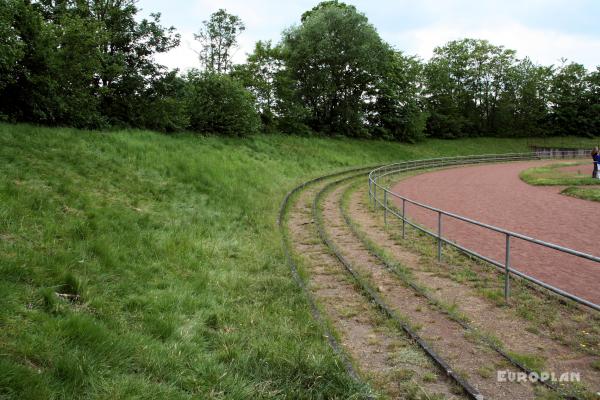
x,y
553,152
380,195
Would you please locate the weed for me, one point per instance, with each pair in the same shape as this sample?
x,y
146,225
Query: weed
x,y
495,295
429,377
402,374
532,329
531,361
486,371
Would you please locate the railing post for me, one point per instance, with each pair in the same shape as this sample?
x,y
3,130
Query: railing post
x,y
507,264
385,208
507,270
370,191
403,218
439,236
375,195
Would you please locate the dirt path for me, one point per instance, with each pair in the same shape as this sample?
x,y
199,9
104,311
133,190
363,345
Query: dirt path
x,y
495,195
392,363
464,352
514,332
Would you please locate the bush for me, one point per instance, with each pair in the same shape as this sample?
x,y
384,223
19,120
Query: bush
x,y
219,104
162,107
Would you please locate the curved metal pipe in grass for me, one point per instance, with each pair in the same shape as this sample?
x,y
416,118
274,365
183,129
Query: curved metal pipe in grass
x,y
385,309
377,254
316,313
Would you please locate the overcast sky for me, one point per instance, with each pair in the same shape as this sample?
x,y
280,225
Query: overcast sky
x,y
544,30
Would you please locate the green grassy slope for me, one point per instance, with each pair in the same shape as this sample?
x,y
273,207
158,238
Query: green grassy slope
x,y
138,264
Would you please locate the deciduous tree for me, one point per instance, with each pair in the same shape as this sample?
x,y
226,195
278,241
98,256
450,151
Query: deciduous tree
x,y
218,38
259,75
334,58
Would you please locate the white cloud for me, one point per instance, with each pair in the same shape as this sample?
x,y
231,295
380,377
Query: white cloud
x,y
543,46
264,20
183,56
544,30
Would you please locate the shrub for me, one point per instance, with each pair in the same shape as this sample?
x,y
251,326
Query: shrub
x,y
219,104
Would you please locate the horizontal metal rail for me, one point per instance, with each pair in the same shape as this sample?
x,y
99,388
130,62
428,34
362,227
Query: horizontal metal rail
x,y
407,166
371,293
424,293
316,313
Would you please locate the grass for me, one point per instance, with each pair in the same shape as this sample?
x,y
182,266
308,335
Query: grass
x,y
531,361
486,371
592,194
400,271
565,142
551,175
579,184
558,318
546,314
135,264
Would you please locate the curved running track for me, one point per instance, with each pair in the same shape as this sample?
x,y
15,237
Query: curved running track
x,y
495,195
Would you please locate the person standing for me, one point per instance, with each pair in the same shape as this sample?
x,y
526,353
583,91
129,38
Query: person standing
x,y
596,158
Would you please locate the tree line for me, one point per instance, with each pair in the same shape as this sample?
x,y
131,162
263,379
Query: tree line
x,y
90,64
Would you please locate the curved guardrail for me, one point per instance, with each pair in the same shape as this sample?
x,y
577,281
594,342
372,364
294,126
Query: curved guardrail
x,y
316,313
371,293
379,195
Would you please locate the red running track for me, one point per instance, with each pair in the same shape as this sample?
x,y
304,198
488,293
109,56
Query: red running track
x,y
494,194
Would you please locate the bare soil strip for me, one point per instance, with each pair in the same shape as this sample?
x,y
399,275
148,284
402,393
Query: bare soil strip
x,y
472,359
515,333
391,362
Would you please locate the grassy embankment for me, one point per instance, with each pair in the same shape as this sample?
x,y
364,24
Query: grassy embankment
x,y
567,142
579,184
134,264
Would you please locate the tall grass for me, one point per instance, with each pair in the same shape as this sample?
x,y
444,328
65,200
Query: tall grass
x,y
134,264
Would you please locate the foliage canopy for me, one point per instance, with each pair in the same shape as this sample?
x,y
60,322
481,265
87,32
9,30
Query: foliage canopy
x,y
91,64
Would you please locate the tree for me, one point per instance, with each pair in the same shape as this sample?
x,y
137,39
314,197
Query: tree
x,y
218,38
465,81
395,110
569,94
525,109
162,105
593,100
128,67
11,45
80,63
333,59
220,104
259,75
30,92
76,60
442,96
